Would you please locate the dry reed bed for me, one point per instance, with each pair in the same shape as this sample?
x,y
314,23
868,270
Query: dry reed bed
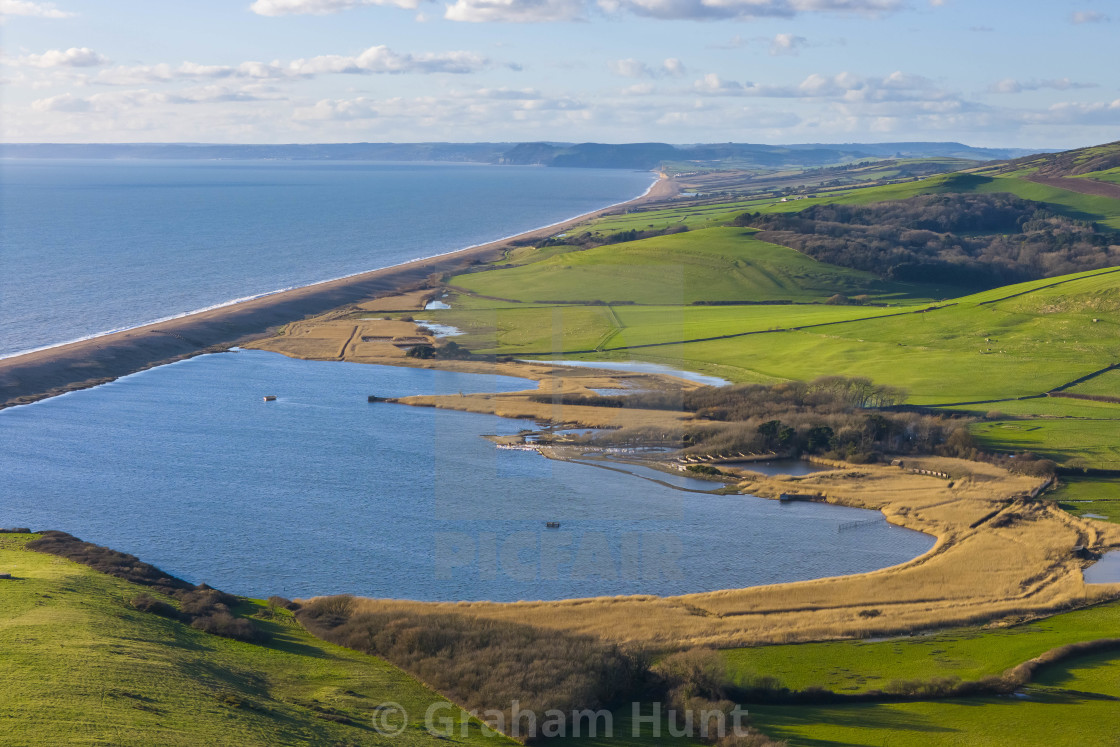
x,y
1017,562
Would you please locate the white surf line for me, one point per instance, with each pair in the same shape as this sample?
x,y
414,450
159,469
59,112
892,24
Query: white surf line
x,y
265,294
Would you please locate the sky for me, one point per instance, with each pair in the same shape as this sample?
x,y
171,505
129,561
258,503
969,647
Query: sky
x,y
996,73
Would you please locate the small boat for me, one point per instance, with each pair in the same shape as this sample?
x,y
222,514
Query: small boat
x,y
270,398
552,525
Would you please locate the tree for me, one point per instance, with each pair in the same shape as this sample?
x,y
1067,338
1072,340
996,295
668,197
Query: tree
x,y
818,438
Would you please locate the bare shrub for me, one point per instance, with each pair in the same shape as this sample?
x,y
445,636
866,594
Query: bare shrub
x,y
486,664
148,603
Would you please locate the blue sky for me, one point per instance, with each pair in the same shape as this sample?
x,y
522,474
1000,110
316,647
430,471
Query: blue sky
x,y
1000,73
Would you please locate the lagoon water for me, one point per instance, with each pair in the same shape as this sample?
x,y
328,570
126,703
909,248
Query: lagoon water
x,y
93,246
321,492
643,367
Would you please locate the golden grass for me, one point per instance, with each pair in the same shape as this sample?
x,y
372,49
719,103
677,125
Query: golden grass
x,y
336,336
1019,565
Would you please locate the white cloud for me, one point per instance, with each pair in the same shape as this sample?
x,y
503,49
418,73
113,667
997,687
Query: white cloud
x,y
1089,16
73,57
897,86
1075,113
673,66
779,44
320,7
32,9
723,9
631,68
713,85
116,101
1011,85
638,89
66,102
504,94
515,11
381,59
545,11
478,109
375,60
787,44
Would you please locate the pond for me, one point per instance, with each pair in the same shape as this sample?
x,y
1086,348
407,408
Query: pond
x,y
1104,571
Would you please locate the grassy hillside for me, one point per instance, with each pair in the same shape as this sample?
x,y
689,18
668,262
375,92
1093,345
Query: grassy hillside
x,y
82,666
1077,162
718,264
1102,210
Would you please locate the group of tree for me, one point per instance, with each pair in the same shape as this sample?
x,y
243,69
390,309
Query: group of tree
x,y
972,240
590,240
833,416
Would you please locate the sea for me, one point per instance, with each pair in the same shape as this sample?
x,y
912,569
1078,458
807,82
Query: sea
x,y
92,246
320,491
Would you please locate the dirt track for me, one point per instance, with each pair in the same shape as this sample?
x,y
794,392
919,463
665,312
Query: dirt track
x,y
1084,186
78,365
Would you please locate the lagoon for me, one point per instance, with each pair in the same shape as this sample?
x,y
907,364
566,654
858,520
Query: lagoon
x,y
321,492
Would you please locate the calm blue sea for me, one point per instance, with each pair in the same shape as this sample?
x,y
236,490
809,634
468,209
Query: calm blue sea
x,y
92,246
321,492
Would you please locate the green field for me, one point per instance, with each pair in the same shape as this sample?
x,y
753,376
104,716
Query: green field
x,y
1074,705
964,352
698,216
716,264
1086,687
538,330
1106,384
81,666
1080,442
1111,176
968,654
1090,496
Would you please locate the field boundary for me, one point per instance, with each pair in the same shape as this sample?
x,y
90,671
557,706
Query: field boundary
x,y
1005,683
1107,271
